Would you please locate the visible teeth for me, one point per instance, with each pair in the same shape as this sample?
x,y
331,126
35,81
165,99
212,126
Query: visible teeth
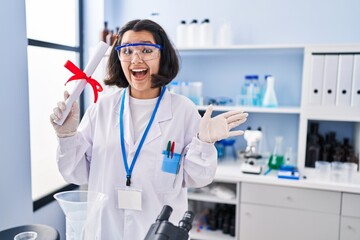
x,y
138,70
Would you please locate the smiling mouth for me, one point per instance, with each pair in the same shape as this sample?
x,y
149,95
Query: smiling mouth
x,y
139,73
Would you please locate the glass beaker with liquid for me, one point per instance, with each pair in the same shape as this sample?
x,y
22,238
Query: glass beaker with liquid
x,y
276,159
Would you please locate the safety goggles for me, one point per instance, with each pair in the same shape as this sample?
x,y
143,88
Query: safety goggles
x,y
145,51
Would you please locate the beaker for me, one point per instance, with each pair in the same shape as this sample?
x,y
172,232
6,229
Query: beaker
x,y
276,159
229,149
26,236
80,208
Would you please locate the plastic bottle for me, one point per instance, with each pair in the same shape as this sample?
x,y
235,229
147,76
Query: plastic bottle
x,y
206,33
109,37
313,146
276,159
193,34
246,91
225,35
104,32
115,35
270,99
181,34
256,91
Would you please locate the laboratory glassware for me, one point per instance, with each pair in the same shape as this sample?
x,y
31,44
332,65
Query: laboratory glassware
x,y
270,99
81,209
276,159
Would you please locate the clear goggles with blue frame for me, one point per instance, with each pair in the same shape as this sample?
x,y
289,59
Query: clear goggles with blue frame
x,y
145,51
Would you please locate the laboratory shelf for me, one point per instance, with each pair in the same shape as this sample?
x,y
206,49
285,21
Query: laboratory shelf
x,y
210,198
282,48
209,235
284,110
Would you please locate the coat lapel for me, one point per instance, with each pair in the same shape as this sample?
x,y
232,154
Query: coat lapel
x,y
164,113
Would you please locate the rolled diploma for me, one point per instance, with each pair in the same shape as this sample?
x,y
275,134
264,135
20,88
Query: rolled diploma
x,y
100,51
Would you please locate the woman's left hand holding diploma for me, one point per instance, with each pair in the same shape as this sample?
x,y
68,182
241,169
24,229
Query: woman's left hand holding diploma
x,y
69,127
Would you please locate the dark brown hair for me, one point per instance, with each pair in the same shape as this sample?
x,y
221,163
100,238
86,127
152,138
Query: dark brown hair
x,y
169,62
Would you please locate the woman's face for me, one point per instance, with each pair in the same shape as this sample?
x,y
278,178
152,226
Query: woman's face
x,y
137,71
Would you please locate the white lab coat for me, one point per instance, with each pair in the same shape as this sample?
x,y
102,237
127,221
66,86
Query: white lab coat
x,y
93,156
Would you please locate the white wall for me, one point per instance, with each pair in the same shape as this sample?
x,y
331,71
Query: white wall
x,y
15,180
256,21
16,207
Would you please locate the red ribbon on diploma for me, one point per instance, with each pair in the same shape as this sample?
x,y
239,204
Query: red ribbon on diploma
x,y
80,75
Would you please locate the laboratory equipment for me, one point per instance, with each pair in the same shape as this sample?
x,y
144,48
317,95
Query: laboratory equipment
x,y
162,229
252,137
276,159
323,170
350,170
229,151
270,99
181,34
81,209
193,34
26,236
224,36
288,172
206,33
28,232
195,92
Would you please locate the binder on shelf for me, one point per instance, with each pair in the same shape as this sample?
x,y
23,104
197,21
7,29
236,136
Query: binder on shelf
x,y
343,96
316,80
355,94
330,79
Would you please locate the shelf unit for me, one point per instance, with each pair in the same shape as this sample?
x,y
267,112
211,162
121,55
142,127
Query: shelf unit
x,y
285,110
335,111
300,113
209,198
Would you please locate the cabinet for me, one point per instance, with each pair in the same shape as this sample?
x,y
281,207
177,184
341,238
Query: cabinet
x,y
274,212
350,217
330,93
208,200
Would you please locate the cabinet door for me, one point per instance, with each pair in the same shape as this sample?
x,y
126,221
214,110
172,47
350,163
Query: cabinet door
x,y
265,222
350,228
350,205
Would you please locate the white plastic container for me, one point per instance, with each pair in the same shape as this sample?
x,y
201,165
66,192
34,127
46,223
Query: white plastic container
x,y
195,92
182,34
193,34
225,35
206,34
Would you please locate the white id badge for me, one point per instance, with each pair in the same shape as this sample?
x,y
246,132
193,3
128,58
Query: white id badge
x,y
128,198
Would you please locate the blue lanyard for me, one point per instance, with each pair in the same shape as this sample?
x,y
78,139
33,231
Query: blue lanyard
x,y
129,171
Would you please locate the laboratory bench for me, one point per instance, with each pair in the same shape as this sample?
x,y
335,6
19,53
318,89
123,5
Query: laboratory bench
x,y
267,207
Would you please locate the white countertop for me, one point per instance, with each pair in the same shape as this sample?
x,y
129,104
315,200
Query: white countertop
x,y
231,172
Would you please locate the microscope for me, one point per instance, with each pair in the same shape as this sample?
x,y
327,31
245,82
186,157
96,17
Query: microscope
x,y
162,229
252,137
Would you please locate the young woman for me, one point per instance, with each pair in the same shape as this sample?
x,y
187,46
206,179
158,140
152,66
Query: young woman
x,y
142,145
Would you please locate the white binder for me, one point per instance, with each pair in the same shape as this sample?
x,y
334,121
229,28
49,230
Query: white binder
x,y
330,78
343,96
355,95
316,81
